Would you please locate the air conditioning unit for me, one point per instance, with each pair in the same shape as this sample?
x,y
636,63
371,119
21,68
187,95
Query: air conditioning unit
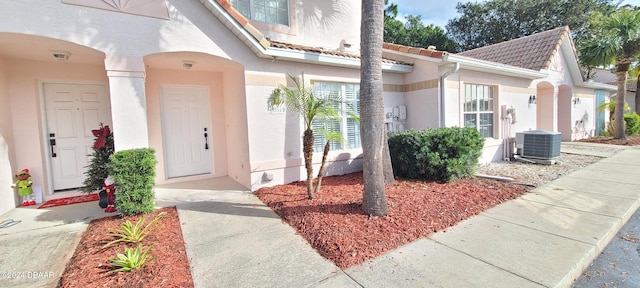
x,y
539,144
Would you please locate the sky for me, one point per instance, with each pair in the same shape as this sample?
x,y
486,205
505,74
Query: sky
x,y
439,14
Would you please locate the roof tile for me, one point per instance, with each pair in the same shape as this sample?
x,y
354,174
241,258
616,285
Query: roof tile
x,y
414,50
283,45
531,52
266,43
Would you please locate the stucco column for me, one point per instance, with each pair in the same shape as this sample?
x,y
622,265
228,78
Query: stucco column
x,y
555,108
7,194
128,105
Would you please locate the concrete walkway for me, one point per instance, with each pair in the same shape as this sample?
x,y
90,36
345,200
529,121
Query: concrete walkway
x,y
543,239
36,250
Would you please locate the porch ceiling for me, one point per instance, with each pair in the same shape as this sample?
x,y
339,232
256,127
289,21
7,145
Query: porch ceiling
x,y
28,47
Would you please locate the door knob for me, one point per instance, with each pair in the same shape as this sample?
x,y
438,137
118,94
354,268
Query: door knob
x,y
52,143
206,139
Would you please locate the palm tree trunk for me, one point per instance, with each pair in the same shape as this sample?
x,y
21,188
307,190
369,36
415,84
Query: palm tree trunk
x,y
323,166
371,110
637,108
307,148
388,168
622,91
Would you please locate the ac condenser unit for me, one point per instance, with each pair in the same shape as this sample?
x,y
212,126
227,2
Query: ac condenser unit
x,y
539,144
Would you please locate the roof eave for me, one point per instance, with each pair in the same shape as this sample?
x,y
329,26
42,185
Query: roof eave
x,y
571,58
328,59
599,86
287,54
493,67
414,56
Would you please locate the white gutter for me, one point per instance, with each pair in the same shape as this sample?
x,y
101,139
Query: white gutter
x,y
288,54
443,91
493,67
599,86
333,60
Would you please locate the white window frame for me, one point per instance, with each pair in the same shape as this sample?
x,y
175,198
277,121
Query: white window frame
x,y
482,92
347,104
251,7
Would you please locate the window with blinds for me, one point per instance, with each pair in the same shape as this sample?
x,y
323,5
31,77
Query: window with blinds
x,y
347,127
478,108
269,11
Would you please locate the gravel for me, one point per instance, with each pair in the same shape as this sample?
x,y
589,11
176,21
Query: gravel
x,y
538,174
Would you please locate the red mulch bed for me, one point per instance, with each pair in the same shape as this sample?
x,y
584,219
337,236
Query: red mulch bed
x,y
90,263
630,141
333,222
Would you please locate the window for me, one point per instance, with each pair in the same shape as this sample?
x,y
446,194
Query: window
x,y
347,126
478,108
269,11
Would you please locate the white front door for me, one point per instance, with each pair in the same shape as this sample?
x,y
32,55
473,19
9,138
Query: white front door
x,y
185,130
73,110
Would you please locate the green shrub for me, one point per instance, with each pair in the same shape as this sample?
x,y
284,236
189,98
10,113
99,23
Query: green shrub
x,y
133,172
443,154
632,123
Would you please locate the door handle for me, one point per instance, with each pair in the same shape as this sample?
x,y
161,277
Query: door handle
x,y
52,143
206,139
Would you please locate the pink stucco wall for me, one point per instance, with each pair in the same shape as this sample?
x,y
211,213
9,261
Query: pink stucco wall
x,y
6,143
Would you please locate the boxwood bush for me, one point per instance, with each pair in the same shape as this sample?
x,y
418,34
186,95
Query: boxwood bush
x,y
133,172
443,154
632,122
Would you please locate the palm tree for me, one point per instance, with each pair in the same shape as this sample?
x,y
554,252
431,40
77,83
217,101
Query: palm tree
x,y
330,136
635,73
301,100
611,107
616,41
372,131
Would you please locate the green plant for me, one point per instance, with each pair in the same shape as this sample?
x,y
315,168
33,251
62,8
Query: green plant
x,y
133,233
632,122
302,100
98,168
443,154
133,172
131,259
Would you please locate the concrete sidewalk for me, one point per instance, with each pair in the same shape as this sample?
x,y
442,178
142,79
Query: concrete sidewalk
x,y
543,239
36,250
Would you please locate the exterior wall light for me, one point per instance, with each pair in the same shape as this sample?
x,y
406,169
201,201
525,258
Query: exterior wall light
x,y
187,65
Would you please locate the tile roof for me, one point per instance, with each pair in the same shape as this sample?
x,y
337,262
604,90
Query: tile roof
x,y
631,85
282,45
531,52
428,52
266,43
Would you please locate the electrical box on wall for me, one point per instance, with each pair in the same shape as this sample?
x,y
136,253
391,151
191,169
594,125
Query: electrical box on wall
x,y
388,115
402,112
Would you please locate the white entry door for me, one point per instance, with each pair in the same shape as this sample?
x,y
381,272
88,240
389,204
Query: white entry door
x,y
186,132
73,110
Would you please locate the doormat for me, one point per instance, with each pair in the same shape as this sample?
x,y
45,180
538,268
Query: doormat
x,y
70,200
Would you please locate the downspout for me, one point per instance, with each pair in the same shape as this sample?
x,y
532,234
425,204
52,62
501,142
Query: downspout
x,y
443,89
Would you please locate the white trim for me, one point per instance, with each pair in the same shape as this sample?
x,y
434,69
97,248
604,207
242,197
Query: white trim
x,y
493,67
598,86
